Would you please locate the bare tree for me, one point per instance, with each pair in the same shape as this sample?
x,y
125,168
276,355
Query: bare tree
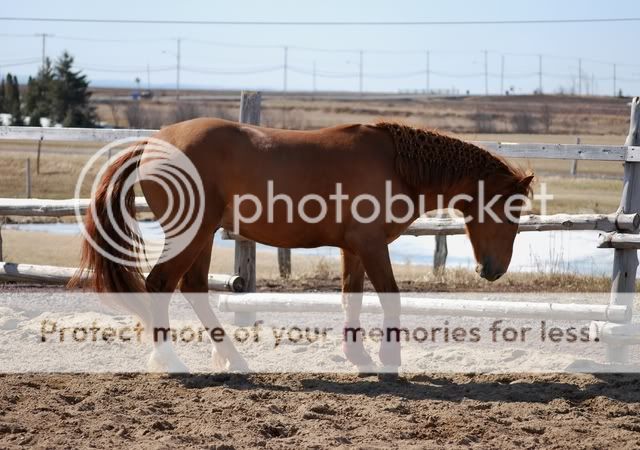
x,y
114,114
134,115
187,111
484,122
523,122
140,116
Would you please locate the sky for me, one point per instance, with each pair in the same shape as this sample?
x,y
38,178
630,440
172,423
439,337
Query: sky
x,y
394,58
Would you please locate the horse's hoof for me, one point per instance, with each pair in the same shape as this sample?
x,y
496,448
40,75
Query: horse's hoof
x,y
368,370
160,362
356,354
220,363
389,375
390,354
238,365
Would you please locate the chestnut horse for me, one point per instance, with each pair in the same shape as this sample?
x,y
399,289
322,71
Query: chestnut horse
x,y
423,167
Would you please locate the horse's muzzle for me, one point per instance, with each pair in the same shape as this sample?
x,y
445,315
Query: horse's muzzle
x,y
488,271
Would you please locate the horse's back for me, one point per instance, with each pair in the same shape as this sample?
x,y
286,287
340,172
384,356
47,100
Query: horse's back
x,y
238,159
219,134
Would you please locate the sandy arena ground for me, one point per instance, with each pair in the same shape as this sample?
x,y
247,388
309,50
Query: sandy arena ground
x,y
227,411
319,411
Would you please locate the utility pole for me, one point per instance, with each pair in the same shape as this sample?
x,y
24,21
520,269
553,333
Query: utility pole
x,y
540,74
614,80
44,37
178,73
314,76
502,75
148,78
486,74
579,76
285,68
361,75
428,73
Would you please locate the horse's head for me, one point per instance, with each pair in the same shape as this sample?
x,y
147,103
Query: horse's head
x,y
493,230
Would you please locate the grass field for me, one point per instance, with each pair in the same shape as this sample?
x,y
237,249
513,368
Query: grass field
x,y
596,189
556,114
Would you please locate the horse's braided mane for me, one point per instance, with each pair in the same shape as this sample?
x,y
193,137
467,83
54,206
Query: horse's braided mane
x,y
426,158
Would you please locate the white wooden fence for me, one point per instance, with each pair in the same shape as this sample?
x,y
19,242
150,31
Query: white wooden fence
x,y
611,323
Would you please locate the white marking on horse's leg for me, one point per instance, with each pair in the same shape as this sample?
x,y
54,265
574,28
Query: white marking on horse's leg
x,y
224,355
164,359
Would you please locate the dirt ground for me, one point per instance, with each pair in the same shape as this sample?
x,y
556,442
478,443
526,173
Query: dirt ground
x,y
305,410
319,411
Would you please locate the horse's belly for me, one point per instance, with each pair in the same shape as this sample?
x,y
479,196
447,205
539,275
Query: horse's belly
x,y
286,235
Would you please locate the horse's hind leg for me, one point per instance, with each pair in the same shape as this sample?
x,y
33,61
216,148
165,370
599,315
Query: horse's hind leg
x,y
162,282
352,286
195,288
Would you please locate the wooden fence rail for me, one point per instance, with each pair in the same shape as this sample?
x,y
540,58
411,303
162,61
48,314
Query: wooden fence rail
x,y
301,303
422,227
629,152
33,273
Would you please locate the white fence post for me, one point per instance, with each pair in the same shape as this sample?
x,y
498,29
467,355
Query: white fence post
x,y
625,261
245,250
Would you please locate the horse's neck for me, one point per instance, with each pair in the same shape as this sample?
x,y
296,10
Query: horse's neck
x,y
440,196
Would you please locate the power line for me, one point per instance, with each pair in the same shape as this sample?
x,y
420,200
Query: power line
x,y
127,70
94,39
323,23
249,71
24,63
314,49
19,60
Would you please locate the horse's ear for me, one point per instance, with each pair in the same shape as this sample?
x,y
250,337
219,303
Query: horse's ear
x,y
526,181
525,184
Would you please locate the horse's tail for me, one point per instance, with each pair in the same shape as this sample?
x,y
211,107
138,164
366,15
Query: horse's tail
x,y
109,240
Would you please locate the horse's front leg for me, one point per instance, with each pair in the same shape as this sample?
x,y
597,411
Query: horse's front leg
x,y
352,286
374,255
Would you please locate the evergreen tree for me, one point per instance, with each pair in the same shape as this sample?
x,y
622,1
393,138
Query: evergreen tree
x,y
11,102
16,111
6,89
2,106
71,96
39,96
